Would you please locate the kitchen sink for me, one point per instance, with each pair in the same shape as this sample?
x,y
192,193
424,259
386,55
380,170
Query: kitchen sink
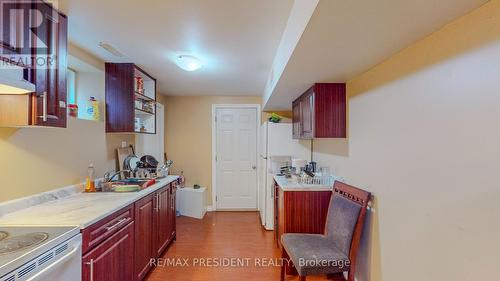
x,y
123,185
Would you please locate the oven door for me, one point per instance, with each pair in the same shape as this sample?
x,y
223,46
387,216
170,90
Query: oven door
x,y
68,265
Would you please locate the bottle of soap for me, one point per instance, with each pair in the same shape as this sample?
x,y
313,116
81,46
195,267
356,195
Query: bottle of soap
x,y
90,179
93,109
182,180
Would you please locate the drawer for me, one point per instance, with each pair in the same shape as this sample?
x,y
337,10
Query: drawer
x,y
101,230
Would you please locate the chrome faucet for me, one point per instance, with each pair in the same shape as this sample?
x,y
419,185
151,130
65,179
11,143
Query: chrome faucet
x,y
109,176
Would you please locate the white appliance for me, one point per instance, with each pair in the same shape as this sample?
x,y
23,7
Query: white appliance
x,y
276,142
35,253
191,202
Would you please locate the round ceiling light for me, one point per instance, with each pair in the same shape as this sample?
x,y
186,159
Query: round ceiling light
x,y
188,63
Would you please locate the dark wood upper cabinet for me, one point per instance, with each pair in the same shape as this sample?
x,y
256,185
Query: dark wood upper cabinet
x,y
130,99
321,112
11,30
296,119
49,101
306,115
44,61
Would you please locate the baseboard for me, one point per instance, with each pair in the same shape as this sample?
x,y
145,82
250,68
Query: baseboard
x,y
268,228
346,275
210,208
237,210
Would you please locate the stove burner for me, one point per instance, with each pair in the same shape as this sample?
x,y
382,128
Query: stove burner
x,y
21,242
3,235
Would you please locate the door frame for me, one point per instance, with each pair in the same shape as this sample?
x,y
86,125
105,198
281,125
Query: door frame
x,y
257,107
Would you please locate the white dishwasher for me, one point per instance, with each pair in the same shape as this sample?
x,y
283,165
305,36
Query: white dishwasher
x,y
34,253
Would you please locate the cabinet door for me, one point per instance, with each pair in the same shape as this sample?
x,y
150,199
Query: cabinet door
x,y
281,214
307,115
144,211
162,221
49,105
296,119
172,225
11,28
276,214
112,260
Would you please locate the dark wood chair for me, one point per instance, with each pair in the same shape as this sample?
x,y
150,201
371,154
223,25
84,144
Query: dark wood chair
x,y
335,251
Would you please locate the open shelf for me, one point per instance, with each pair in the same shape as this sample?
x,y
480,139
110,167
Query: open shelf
x,y
143,97
144,84
143,112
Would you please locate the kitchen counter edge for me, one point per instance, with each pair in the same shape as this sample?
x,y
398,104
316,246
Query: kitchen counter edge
x,y
288,186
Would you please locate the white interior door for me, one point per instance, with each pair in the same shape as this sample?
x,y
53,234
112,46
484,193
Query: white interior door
x,y
236,158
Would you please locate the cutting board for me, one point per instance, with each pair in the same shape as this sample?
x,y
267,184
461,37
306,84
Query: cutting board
x,y
122,153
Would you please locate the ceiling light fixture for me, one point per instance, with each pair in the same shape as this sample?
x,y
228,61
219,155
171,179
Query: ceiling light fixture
x,y
188,63
110,49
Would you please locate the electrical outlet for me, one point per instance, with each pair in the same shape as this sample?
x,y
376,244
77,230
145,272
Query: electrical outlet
x,y
124,144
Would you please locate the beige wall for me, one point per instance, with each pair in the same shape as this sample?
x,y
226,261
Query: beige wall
x,y
40,159
188,135
424,136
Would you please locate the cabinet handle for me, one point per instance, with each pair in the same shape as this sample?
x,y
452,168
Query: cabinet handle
x,y
91,264
157,202
109,228
45,116
44,107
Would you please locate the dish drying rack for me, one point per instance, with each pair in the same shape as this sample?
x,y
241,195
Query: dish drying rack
x,y
320,180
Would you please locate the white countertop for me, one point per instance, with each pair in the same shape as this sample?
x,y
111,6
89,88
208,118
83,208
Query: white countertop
x,y
81,209
290,185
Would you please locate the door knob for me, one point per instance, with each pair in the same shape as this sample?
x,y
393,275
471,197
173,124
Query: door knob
x,y
254,167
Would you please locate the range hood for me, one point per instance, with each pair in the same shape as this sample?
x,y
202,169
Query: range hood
x,y
12,81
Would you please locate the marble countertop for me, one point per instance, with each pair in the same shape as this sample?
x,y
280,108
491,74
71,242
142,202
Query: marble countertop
x,y
290,185
79,209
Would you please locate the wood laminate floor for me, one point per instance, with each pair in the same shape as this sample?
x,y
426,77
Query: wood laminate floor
x,y
221,237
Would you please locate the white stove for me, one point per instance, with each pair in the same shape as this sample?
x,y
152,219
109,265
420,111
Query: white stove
x,y
37,253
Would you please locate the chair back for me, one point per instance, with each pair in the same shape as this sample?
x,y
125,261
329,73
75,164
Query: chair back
x,y
345,218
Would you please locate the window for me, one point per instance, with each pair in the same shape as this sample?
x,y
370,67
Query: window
x,y
71,80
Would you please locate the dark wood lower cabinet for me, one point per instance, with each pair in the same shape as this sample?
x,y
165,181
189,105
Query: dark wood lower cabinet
x,y
144,215
299,212
173,228
112,259
131,237
276,214
162,218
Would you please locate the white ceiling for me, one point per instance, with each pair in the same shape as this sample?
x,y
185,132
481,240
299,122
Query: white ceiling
x,y
236,40
345,38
